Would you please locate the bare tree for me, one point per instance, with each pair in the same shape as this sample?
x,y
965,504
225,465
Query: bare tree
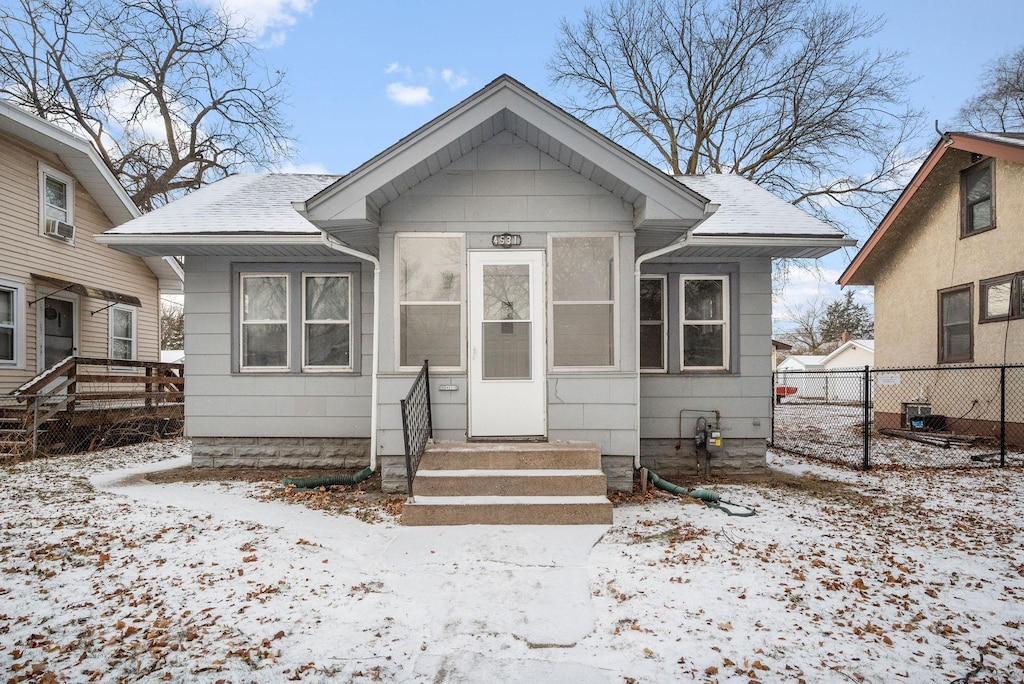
x,y
806,335
173,95
779,91
172,324
999,106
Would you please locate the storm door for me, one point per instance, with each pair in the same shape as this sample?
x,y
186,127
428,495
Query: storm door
x,y
58,330
506,344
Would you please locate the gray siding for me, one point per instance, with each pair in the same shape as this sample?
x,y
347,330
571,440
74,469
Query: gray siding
x,y
743,395
506,184
220,403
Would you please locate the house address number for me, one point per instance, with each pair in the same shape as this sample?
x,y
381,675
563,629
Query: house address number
x,y
506,240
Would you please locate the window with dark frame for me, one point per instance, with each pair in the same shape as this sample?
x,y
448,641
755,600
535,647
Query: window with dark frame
x,y
977,199
956,333
704,316
1002,298
652,323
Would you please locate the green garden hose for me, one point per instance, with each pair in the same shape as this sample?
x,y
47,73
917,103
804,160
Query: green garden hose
x,y
329,481
711,499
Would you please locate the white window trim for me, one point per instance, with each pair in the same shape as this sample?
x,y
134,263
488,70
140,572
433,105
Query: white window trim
x,y
726,332
48,172
614,301
242,322
664,324
18,318
306,368
399,303
135,331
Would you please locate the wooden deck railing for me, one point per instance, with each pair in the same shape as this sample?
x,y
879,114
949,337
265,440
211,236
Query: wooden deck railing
x,y
82,391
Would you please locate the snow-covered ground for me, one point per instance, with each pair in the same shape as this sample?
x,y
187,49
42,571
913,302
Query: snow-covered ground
x,y
878,577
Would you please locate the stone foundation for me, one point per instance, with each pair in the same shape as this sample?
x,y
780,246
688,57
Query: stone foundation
x,y
343,453
741,458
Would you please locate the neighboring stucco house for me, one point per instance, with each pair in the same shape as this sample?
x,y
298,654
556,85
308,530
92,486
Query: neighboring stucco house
x,y
561,288
947,265
62,293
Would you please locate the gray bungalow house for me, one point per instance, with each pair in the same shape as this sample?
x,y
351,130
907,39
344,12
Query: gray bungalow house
x,y
562,289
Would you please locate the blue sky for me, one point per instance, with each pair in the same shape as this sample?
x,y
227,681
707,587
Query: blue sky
x,y
364,74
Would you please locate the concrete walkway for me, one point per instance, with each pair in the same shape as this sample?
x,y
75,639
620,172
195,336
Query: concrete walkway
x,y
466,586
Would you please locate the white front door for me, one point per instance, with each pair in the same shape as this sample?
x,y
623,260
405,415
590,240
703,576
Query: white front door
x,y
506,344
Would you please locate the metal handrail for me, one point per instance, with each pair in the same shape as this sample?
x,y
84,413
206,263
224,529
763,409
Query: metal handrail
x,y
417,423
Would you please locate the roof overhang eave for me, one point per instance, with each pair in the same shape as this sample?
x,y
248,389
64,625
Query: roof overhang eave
x,y
124,242
782,246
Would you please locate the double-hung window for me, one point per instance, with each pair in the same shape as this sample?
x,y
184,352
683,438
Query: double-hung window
x,y
429,283
956,334
326,322
56,200
264,310
9,303
584,283
704,322
978,211
122,332
653,300
292,321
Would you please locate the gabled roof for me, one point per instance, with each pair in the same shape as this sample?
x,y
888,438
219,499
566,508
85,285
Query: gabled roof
x,y
85,164
1009,146
866,345
251,214
803,360
504,104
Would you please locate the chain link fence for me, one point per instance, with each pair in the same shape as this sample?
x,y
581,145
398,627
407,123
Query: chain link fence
x,y
943,417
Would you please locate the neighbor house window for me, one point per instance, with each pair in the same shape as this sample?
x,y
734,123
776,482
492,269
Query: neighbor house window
x,y
704,322
977,199
56,197
583,300
9,302
429,283
1002,298
326,321
122,332
652,323
955,326
264,315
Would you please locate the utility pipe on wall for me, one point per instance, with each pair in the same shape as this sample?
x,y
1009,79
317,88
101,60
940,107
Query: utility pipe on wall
x,y
337,246
709,209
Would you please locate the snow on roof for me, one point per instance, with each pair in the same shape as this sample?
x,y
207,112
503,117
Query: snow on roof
x,y
244,203
1015,139
804,360
748,209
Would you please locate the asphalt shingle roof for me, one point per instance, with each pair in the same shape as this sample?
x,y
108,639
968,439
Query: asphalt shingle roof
x,y
245,203
748,209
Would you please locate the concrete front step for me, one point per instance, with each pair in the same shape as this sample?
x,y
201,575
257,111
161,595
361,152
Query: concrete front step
x,y
507,510
511,456
543,482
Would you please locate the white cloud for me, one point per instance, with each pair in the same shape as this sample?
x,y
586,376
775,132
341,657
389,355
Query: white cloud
x,y
454,81
267,19
408,95
414,86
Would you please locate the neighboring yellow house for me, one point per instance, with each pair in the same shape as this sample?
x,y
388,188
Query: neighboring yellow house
x,y
947,264
61,292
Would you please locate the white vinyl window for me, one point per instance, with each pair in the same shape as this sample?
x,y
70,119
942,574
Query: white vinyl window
x,y
122,332
429,277
653,301
584,312
326,322
56,197
704,322
264,335
10,304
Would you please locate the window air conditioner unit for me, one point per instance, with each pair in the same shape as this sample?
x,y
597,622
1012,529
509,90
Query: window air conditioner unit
x,y
60,229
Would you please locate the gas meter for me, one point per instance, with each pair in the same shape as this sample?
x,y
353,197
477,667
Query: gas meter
x,y
708,436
